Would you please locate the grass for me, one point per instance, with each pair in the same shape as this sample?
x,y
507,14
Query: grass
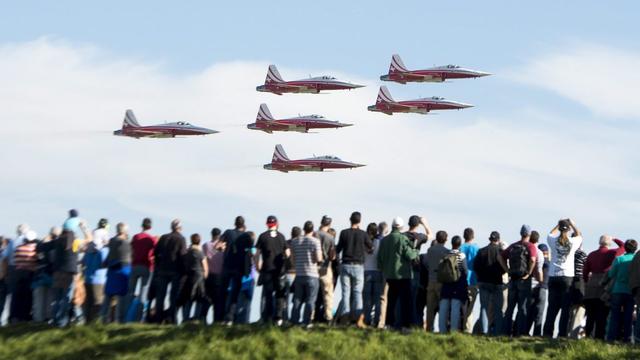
x,y
192,341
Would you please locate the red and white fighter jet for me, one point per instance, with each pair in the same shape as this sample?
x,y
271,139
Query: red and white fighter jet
x,y
400,74
267,123
275,84
281,162
386,104
131,128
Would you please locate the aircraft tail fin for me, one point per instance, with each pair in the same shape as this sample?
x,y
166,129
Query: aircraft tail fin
x,y
384,96
273,75
130,120
279,155
264,114
396,64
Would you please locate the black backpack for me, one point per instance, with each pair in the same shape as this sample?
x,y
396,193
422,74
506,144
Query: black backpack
x,y
519,260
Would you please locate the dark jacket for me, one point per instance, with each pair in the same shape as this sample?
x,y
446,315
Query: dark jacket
x,y
486,265
352,244
65,256
396,256
168,253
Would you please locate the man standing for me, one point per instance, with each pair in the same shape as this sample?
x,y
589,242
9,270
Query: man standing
x,y
470,250
269,259
216,294
352,245
434,255
395,259
142,246
118,263
519,260
307,254
168,255
237,263
417,239
327,244
489,273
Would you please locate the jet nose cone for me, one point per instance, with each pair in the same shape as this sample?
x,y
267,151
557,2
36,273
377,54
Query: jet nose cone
x,y
206,131
464,106
358,165
355,86
344,125
483,74
260,88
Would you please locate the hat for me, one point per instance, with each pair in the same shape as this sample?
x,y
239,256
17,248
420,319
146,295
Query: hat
x,y
564,225
525,230
495,236
272,220
543,247
397,222
73,213
31,235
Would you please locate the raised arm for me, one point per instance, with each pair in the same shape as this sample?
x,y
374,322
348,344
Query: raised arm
x,y
426,227
575,228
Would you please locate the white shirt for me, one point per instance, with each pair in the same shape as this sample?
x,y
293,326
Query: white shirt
x,y
539,267
563,257
100,237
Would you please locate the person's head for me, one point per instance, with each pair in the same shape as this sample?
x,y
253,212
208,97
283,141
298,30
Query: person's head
x,y
332,232
545,250
239,223
605,240
103,223
564,226
55,231
494,237
146,224
272,222
397,223
372,230
383,228
414,221
295,232
122,229
630,246
525,231
441,237
215,233
22,229
355,218
30,236
456,241
176,225
195,239
535,237
468,234
73,213
326,221
308,227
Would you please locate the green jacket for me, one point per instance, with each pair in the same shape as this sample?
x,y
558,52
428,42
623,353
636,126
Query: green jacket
x,y
395,256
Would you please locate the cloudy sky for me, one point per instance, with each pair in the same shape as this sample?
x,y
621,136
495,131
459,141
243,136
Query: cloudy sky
x,y
553,133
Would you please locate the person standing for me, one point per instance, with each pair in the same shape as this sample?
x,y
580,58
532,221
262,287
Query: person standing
x,y
621,298
454,287
470,250
95,275
25,260
576,329
296,232
489,273
142,246
435,254
634,286
237,263
417,240
307,254
561,273
118,264
216,294
538,301
324,301
271,252
373,278
168,269
595,271
41,285
352,244
192,291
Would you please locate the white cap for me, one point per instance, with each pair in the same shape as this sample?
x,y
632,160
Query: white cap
x,y
397,222
31,235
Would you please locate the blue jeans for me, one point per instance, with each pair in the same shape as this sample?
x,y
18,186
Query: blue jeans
x,y
519,294
621,314
373,287
491,300
352,282
535,309
450,311
62,291
305,293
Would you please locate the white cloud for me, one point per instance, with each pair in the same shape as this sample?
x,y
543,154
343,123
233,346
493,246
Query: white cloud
x,y
63,101
606,80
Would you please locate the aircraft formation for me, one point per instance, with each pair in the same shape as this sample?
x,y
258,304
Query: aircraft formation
x,y
275,84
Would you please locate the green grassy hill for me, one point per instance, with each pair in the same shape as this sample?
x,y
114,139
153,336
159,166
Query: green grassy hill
x,y
254,342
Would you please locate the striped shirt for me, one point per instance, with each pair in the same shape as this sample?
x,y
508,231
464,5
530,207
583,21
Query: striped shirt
x,y
25,256
580,259
306,255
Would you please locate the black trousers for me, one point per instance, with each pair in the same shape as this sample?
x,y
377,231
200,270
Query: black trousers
x,y
399,290
559,301
233,279
216,297
162,282
596,312
272,308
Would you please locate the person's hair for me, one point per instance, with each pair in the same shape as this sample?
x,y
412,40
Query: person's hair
x,y
176,225
146,223
414,220
456,241
239,222
441,237
630,246
308,227
382,228
122,228
355,218
295,232
326,221
372,230
102,223
195,239
563,239
215,232
468,234
332,232
534,237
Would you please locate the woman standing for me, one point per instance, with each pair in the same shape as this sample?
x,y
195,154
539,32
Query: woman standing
x,y
563,240
196,270
373,281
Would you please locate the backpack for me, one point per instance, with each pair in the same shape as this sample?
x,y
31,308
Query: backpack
x,y
448,269
519,261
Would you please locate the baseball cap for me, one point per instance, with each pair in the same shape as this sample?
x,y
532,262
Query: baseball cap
x,y
563,225
543,247
272,220
494,236
397,222
525,230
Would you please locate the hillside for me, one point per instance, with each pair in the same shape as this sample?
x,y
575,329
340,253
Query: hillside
x,y
253,342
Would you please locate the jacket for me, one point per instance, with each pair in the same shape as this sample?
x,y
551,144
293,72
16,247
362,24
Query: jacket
x,y
395,256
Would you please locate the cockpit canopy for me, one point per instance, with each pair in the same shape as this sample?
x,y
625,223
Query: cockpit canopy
x,y
315,116
451,66
183,123
437,98
327,77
